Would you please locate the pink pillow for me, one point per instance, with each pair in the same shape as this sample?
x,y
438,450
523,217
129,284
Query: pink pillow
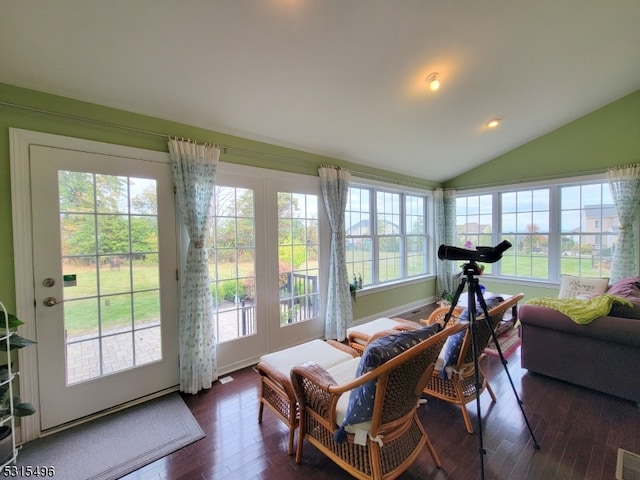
x,y
627,287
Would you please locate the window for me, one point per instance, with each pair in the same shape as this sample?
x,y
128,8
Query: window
x,y
388,231
554,229
416,235
232,262
386,235
298,253
474,222
589,228
525,223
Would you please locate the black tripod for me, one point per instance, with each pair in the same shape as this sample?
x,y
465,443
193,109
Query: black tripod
x,y
470,270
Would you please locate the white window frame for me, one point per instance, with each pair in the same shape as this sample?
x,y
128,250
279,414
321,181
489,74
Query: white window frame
x,y
374,186
555,234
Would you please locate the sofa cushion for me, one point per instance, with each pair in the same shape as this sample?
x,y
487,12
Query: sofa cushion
x,y
377,352
608,329
581,311
572,286
626,311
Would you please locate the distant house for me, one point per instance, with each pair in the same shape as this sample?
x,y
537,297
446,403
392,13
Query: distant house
x,y
362,229
473,228
600,218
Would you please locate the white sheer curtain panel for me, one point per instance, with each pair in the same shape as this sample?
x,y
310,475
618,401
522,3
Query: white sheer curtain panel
x,y
334,183
624,183
445,233
194,172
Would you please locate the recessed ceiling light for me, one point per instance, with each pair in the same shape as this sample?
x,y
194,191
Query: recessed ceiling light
x,y
432,80
493,123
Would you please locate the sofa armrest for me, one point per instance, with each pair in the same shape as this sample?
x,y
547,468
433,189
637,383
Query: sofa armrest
x,y
613,329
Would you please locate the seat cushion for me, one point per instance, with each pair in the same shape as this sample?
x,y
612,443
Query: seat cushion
x,y
317,351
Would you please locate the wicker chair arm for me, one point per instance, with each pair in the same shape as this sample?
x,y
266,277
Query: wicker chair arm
x,y
406,325
313,386
266,370
439,314
355,335
381,333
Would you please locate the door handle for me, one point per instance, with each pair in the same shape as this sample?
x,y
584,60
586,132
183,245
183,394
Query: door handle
x,y
50,301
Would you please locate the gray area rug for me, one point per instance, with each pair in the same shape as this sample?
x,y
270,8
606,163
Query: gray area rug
x,y
112,446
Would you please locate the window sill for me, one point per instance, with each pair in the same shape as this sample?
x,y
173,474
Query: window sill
x,y
373,289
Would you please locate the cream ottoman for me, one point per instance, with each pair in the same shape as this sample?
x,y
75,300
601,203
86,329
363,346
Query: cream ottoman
x,y
276,390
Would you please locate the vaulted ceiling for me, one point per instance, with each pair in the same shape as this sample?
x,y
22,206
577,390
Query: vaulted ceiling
x,y
341,78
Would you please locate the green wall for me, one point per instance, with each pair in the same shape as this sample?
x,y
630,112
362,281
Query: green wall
x,y
607,137
31,119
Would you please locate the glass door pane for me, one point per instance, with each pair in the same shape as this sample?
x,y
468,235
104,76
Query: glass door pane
x,y
109,239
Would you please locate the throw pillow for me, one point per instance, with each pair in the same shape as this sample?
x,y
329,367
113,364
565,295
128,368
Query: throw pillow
x,y
572,286
628,288
451,352
379,351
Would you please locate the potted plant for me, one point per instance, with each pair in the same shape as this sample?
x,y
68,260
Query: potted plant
x,y
446,299
10,404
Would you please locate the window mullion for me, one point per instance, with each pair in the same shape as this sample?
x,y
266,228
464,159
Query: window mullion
x,y
555,235
496,229
404,263
373,205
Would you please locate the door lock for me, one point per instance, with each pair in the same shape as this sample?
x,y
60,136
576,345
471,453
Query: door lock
x,y
50,301
49,282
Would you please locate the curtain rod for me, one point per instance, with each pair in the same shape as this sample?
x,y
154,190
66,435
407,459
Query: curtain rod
x,y
226,148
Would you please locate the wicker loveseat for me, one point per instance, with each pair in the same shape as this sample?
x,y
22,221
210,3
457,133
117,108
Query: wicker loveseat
x,y
386,444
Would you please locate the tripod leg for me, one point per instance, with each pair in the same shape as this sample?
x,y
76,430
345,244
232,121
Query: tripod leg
x,y
489,322
454,302
473,291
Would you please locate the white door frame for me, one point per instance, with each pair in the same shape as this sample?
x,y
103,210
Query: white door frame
x,y
20,141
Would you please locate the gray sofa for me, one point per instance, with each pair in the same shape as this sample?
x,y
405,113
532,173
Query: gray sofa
x,y
603,355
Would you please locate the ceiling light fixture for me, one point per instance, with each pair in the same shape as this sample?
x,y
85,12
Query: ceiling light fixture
x,y
493,123
432,80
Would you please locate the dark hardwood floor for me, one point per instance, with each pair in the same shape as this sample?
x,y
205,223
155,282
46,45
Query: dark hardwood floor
x,y
579,432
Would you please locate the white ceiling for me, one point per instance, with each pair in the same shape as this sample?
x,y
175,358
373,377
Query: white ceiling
x,y
341,78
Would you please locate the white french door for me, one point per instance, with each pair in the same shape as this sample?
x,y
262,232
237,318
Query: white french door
x,y
104,268
266,274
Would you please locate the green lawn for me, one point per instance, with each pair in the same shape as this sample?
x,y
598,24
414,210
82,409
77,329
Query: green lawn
x,y
83,306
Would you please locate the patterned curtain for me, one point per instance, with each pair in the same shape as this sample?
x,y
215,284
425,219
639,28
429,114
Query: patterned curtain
x,y
624,183
445,233
194,171
335,188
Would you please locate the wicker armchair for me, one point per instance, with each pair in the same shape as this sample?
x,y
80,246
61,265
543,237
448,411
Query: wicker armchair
x,y
460,387
395,436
